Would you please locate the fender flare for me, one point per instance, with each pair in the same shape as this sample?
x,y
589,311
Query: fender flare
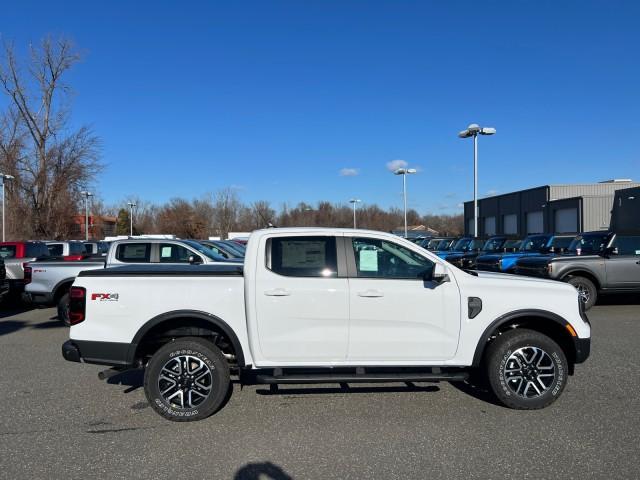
x,y
506,318
207,317
584,273
54,292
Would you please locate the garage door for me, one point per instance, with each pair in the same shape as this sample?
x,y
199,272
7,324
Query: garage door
x,y
566,220
534,222
510,223
490,226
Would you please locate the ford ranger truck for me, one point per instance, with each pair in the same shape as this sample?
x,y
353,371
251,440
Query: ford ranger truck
x,y
595,263
323,306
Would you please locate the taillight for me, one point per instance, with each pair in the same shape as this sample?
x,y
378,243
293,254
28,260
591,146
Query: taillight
x,y
73,258
27,273
77,304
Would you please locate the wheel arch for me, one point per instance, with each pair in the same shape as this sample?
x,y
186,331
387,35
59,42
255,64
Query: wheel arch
x,y
542,321
61,288
187,320
579,272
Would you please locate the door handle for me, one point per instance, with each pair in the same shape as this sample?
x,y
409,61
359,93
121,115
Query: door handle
x,y
277,292
371,293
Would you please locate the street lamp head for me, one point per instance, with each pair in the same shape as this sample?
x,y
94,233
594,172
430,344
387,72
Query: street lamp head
x,y
488,131
6,176
465,134
86,194
355,200
400,171
412,170
473,128
131,204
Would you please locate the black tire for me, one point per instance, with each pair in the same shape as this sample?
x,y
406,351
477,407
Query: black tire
x,y
197,352
589,292
63,309
512,351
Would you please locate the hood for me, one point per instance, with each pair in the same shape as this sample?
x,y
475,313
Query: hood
x,y
517,278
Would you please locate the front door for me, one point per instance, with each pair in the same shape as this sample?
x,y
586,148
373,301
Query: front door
x,y
302,302
623,268
395,314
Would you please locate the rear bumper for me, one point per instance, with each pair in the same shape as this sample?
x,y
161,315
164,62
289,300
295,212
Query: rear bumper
x,y
100,353
38,298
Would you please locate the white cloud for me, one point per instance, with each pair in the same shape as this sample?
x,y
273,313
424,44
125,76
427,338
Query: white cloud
x,y
349,172
394,165
460,205
491,193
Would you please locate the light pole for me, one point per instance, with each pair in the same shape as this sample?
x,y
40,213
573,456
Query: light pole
x,y
474,130
86,196
4,177
353,202
131,207
404,172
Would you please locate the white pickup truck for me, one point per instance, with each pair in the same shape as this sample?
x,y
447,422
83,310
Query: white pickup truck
x,y
325,306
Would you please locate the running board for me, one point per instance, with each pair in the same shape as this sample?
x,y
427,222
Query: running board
x,y
362,377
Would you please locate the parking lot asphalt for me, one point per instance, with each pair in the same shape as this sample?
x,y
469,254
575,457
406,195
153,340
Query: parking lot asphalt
x,y
60,421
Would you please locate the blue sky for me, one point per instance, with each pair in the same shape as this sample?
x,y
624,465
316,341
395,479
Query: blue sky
x,y
276,98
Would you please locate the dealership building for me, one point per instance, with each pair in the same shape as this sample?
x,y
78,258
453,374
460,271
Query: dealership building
x,y
570,208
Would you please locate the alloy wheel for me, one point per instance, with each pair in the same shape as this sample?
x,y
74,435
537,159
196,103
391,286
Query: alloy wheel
x,y
185,381
529,372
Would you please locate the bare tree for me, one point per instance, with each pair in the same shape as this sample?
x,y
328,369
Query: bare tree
x,y
227,207
51,161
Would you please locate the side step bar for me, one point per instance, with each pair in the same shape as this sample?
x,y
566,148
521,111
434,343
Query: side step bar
x,y
362,378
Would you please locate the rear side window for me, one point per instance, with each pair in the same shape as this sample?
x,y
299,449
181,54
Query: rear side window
x,y
76,248
303,256
134,253
55,250
7,251
35,250
627,244
172,253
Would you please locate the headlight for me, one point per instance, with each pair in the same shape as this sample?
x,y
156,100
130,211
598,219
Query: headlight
x,y
500,264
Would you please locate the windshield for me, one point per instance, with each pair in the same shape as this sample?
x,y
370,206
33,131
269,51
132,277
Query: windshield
x,y
588,243
434,243
204,251
534,243
493,244
235,247
461,245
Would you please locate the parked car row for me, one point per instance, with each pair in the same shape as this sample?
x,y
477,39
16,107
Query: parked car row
x,y
593,262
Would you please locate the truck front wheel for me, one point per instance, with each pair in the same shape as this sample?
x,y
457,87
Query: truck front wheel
x,y
586,290
526,369
63,309
187,379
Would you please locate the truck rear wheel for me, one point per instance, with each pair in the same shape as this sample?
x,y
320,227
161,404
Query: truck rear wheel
x,y
586,290
526,369
63,309
187,379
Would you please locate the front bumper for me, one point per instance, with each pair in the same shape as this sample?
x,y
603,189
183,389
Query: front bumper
x,y
100,353
583,348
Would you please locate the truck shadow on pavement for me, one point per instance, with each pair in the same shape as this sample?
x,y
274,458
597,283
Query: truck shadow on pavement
x,y
261,471
619,299
11,326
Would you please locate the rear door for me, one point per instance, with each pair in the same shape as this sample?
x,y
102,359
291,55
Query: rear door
x,y
623,268
395,315
302,300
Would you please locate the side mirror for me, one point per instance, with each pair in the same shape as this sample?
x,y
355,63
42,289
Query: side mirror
x,y
194,260
437,274
614,251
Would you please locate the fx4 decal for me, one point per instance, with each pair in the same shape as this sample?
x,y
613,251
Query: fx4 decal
x,y
105,297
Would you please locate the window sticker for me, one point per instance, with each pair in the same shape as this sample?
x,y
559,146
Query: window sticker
x,y
166,252
368,260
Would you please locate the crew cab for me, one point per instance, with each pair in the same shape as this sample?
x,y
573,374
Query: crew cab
x,y
320,305
16,255
596,262
67,250
462,245
492,245
48,282
533,245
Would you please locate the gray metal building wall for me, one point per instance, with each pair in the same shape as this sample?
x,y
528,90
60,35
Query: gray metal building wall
x,y
592,204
